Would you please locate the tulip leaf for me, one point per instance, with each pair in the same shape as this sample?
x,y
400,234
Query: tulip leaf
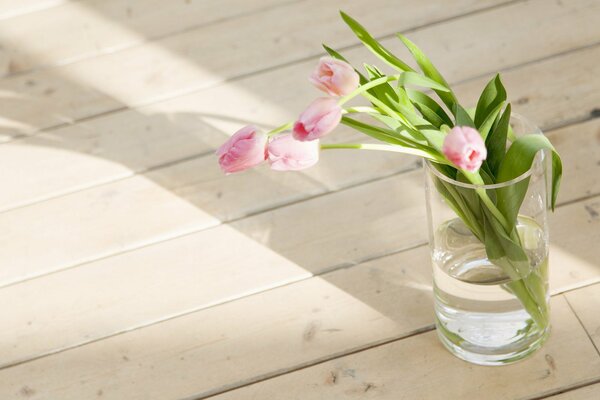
x,y
372,44
491,98
462,116
496,142
429,108
412,135
430,71
518,160
487,124
379,133
413,78
384,92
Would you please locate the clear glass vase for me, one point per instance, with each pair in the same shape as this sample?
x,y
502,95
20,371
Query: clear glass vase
x,y
491,299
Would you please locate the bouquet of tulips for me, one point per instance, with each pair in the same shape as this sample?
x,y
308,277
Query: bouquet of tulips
x,y
476,145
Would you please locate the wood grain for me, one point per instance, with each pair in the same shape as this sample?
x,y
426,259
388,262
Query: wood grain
x,y
585,393
585,304
115,146
183,350
200,270
194,60
45,38
419,367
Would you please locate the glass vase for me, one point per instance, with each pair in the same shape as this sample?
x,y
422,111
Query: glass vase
x,y
490,292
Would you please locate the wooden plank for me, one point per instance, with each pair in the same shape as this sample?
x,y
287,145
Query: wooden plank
x,y
175,359
136,140
277,189
271,249
585,304
584,393
11,8
419,367
193,61
47,37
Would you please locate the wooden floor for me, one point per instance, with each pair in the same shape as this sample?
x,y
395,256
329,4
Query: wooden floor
x,y
132,268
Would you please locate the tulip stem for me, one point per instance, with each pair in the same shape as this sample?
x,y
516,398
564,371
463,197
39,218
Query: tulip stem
x,y
351,110
279,129
385,147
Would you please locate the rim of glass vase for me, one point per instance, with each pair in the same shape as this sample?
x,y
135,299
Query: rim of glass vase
x,y
514,116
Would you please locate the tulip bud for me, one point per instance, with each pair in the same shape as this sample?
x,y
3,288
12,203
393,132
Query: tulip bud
x,y
465,148
320,118
245,149
288,154
334,77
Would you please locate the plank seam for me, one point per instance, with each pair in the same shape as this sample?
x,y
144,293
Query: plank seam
x,y
582,326
151,39
184,92
370,346
228,222
217,304
312,363
566,389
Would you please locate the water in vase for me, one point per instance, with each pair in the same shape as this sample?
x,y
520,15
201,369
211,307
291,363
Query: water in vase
x,y
478,318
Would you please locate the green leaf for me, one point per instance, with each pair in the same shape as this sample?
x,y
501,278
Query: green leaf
x,y
413,78
518,160
496,142
503,250
372,44
487,124
429,108
491,98
413,135
430,71
462,116
379,133
384,92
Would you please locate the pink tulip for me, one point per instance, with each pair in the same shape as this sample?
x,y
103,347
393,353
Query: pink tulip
x,y
465,148
245,149
334,77
320,118
288,154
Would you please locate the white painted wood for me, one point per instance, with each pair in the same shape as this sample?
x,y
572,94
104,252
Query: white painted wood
x,y
112,147
268,250
585,303
419,368
10,8
84,29
195,60
177,359
584,393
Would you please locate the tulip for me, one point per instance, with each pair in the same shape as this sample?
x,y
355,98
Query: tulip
x,y
465,148
288,154
320,118
245,149
334,77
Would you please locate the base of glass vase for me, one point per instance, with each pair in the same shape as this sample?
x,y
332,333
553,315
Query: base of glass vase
x,y
492,356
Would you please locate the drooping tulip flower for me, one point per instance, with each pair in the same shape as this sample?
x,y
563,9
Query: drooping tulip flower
x,y
334,77
288,154
465,148
320,118
245,149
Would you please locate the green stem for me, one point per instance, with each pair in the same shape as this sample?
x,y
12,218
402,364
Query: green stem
x,y
383,147
279,129
476,179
